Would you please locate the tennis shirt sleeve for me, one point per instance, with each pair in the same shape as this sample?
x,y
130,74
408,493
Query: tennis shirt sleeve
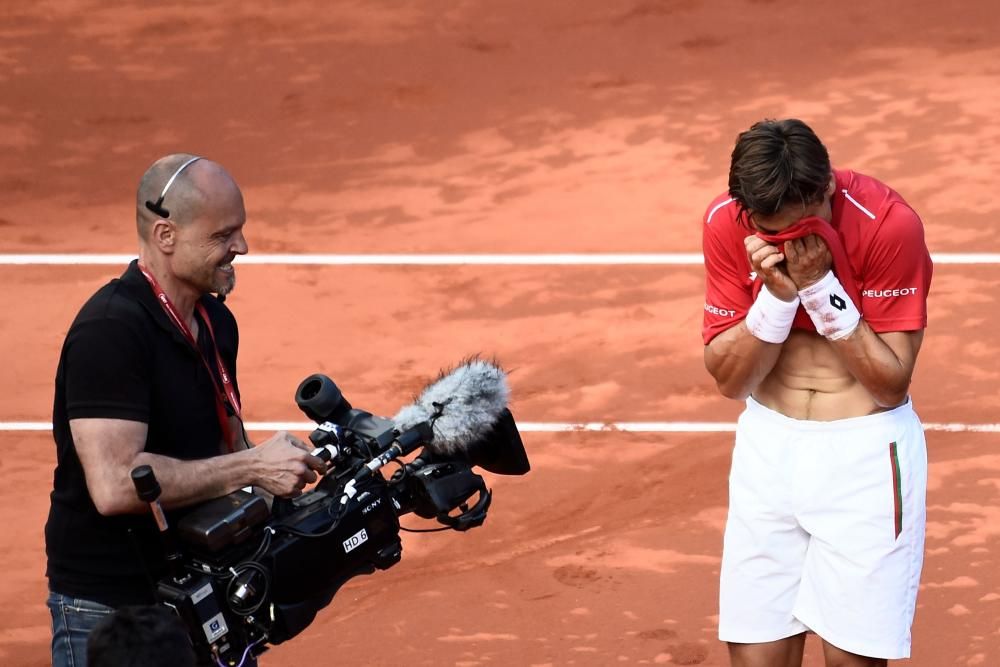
x,y
728,286
897,274
107,371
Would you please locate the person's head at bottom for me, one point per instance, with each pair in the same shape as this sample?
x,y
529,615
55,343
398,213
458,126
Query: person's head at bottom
x,y
140,636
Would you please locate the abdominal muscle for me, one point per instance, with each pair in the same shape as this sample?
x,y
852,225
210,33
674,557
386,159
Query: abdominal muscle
x,y
810,382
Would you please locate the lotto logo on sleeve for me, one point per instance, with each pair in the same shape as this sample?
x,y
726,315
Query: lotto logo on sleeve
x,y
715,310
886,293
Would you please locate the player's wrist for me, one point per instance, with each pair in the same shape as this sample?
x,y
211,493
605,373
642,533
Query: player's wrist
x,y
831,310
770,317
805,283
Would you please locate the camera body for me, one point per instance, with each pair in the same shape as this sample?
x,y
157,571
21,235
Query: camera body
x,y
244,575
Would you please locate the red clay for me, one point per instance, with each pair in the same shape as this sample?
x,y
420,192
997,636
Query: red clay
x,y
474,126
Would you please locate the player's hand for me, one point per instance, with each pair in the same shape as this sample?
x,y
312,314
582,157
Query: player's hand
x,y
284,465
808,260
766,260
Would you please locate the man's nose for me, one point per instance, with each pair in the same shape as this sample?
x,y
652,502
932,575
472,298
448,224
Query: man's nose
x,y
240,246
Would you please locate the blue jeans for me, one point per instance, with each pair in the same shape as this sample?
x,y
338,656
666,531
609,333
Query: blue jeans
x,y
72,621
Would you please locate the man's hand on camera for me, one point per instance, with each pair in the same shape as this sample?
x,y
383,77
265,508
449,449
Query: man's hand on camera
x,y
285,466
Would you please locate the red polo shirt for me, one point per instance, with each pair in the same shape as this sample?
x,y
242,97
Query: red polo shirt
x,y
884,240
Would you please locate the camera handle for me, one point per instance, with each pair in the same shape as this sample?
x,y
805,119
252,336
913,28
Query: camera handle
x,y
192,596
148,490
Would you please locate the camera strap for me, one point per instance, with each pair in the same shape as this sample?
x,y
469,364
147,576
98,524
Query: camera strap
x,y
227,392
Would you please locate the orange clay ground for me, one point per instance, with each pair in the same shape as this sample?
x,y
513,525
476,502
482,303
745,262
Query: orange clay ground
x,y
518,127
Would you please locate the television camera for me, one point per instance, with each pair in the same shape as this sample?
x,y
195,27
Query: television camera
x,y
243,575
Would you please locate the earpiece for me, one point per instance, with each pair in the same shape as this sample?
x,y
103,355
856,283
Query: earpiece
x,y
157,207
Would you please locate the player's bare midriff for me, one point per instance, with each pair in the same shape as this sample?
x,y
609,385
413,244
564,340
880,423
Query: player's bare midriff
x,y
810,382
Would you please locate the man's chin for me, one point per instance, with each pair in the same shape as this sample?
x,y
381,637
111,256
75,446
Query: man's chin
x,y
225,288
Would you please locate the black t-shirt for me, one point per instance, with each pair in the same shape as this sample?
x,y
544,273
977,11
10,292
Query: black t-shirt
x,y
123,358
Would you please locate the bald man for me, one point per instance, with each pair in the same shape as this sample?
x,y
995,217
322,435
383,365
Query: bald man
x,y
147,376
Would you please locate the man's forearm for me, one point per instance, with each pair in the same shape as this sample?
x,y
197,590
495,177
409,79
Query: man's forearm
x,y
739,361
191,482
883,368
875,365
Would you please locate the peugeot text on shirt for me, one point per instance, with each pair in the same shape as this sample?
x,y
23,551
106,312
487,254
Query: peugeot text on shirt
x,y
883,293
715,310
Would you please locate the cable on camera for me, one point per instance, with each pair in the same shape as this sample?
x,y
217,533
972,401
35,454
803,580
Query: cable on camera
x,y
260,596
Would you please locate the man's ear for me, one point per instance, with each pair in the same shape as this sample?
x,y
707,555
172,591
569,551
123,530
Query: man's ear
x,y
831,187
164,235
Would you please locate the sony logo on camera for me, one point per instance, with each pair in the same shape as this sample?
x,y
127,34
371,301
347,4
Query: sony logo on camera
x,y
355,540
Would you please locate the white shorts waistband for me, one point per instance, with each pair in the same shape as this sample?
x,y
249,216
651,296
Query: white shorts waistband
x,y
761,412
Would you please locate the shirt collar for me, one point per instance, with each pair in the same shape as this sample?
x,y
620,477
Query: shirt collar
x,y
139,288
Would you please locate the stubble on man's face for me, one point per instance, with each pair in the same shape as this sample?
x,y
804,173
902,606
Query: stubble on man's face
x,y
225,286
219,275
204,266
209,253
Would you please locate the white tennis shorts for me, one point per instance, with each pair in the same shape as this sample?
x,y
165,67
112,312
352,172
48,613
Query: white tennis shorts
x,y
825,530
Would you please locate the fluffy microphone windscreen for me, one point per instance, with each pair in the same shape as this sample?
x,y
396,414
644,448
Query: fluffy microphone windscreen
x,y
470,400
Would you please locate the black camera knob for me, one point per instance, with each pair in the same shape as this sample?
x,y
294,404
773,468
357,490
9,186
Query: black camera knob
x,y
145,483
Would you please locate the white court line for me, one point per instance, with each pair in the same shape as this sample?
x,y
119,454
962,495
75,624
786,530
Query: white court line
x,y
675,258
558,427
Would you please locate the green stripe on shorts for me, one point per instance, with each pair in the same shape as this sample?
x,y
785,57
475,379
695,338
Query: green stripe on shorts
x,y
897,489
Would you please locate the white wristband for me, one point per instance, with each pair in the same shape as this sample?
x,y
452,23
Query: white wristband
x,y
831,309
770,318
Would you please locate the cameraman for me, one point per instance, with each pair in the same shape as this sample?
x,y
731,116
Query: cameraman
x,y
147,375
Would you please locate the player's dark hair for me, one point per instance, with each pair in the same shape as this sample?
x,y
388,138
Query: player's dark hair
x,y
775,163
140,636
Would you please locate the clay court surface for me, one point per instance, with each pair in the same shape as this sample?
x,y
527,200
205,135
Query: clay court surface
x,y
468,127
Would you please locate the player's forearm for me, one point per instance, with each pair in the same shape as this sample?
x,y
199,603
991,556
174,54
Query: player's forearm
x,y
739,362
875,365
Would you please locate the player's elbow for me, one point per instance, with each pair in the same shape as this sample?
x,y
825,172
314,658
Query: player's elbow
x,y
731,385
891,400
892,395
733,390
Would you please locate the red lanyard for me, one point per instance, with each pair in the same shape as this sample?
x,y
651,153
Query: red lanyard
x,y
228,391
